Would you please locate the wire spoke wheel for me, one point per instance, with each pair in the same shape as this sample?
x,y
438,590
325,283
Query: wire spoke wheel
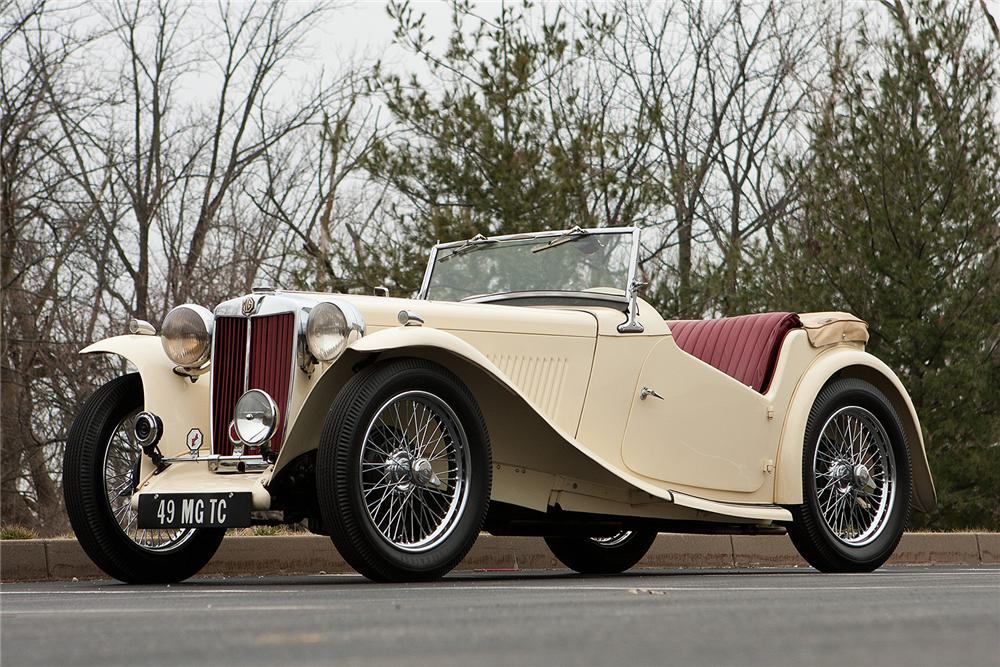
x,y
609,554
414,470
855,475
102,468
613,540
404,471
122,459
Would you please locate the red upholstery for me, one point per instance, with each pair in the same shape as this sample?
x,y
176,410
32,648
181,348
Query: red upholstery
x,y
744,347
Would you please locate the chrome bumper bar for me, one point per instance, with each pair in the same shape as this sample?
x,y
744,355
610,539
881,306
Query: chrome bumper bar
x,y
224,464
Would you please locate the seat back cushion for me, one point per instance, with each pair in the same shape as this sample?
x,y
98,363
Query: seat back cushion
x,y
744,347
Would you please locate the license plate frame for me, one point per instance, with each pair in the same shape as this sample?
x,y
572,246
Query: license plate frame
x,y
225,509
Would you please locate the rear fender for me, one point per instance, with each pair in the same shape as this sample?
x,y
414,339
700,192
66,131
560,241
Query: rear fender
x,y
844,361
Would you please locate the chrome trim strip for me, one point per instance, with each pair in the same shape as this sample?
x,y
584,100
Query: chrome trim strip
x,y
273,303
223,466
190,458
631,324
211,396
633,267
246,360
215,462
426,282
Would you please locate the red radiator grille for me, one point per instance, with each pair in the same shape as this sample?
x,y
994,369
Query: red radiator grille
x,y
271,348
228,373
271,345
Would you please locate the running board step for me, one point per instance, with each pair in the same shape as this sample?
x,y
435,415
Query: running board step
x,y
765,512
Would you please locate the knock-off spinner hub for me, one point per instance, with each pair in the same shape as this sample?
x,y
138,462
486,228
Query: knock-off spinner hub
x,y
404,470
399,467
841,472
423,473
851,477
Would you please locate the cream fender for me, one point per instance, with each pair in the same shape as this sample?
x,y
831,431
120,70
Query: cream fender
x,y
850,362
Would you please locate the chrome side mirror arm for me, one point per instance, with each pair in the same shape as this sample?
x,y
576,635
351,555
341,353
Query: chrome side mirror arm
x,y
632,325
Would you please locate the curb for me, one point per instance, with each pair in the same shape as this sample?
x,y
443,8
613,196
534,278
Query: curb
x,y
62,559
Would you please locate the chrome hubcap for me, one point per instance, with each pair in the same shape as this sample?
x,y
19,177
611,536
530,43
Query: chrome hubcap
x,y
414,466
122,463
855,474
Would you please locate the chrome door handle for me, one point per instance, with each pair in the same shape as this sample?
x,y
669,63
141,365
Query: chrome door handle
x,y
646,391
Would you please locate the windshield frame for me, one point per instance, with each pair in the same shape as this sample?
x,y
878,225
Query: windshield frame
x,y
633,255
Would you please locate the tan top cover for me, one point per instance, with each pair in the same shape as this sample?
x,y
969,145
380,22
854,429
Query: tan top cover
x,y
834,327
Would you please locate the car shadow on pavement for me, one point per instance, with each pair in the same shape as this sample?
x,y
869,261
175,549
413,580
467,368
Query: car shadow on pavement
x,y
483,577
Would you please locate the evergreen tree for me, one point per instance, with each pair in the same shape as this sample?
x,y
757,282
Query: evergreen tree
x,y
900,224
503,134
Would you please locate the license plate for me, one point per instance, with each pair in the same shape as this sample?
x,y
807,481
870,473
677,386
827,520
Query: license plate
x,y
194,510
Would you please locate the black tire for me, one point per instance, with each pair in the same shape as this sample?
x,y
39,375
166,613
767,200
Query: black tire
x,y
810,532
339,479
612,555
90,514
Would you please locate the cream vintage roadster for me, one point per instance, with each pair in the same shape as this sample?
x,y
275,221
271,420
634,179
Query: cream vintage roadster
x,y
527,390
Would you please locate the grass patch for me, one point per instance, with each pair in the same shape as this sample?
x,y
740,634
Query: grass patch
x,y
268,531
16,532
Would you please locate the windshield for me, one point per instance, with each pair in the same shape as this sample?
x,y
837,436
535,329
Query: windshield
x,y
574,261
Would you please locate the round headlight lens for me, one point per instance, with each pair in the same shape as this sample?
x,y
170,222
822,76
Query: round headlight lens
x,y
187,335
256,417
327,331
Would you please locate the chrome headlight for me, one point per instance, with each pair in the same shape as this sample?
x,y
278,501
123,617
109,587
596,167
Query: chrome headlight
x,y
329,330
187,335
256,417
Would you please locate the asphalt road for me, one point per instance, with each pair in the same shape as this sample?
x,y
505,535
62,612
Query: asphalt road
x,y
897,616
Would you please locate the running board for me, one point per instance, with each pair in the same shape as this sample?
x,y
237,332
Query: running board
x,y
764,512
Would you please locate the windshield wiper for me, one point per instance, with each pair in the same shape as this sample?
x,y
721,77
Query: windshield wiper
x,y
477,241
574,234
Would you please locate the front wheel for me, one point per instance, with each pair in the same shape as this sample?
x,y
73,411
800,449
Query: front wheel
x,y
856,480
100,472
602,555
403,471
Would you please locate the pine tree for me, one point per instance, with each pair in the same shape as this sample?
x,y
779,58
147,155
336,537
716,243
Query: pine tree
x,y
900,224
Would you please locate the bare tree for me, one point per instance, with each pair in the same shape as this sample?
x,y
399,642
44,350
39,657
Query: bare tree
x,y
41,227
124,194
316,190
723,88
172,168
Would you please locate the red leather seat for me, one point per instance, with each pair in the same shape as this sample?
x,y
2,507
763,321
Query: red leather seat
x,y
744,347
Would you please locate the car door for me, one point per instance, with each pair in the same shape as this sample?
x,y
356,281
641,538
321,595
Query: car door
x,y
701,428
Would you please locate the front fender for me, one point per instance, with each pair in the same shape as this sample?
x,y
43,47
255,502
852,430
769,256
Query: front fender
x,y
848,362
180,403
522,434
427,337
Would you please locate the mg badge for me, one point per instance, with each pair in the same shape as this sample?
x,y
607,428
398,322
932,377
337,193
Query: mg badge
x,y
248,306
194,441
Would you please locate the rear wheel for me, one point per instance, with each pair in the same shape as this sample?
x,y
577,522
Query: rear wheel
x,y
100,473
403,472
602,555
856,480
